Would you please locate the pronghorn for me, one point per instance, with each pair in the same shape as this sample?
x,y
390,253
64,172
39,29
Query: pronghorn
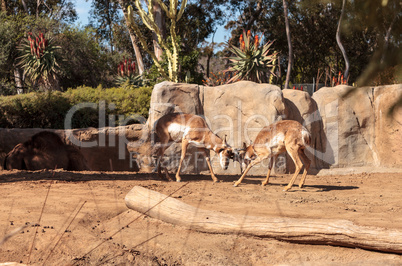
x,y
282,136
188,128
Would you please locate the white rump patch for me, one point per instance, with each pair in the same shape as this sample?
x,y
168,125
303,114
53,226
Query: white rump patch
x,y
305,135
277,140
177,131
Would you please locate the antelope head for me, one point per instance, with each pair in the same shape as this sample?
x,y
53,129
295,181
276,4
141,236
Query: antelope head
x,y
247,155
225,154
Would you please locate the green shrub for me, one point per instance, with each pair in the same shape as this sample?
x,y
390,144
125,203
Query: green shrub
x,y
43,110
49,109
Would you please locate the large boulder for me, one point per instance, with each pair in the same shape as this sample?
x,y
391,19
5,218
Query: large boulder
x,y
168,97
104,149
357,128
301,107
346,132
240,110
388,126
237,110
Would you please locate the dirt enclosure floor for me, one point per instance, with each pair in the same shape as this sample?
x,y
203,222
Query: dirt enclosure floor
x,y
80,218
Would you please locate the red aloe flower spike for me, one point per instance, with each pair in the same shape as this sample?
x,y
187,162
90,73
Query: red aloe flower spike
x,y
243,46
294,87
256,41
122,68
301,88
248,33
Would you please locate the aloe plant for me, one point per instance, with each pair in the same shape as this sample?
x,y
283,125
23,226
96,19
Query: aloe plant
x,y
252,61
126,75
39,60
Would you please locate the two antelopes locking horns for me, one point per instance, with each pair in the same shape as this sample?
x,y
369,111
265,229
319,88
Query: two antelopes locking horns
x,y
283,136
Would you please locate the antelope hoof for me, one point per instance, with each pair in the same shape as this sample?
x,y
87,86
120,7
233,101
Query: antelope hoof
x,y
235,184
263,184
287,188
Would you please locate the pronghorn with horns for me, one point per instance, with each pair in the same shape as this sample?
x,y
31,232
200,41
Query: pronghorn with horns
x,y
189,129
283,136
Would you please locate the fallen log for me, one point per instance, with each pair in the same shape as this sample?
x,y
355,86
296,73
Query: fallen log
x,y
307,231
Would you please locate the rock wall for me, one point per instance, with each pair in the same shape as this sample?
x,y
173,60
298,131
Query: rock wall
x,y
359,129
104,149
346,132
237,110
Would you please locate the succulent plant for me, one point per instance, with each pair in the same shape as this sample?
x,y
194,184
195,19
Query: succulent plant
x,y
251,61
126,75
39,59
174,13
220,78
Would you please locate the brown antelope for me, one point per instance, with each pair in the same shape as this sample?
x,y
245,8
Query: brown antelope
x,y
190,129
282,136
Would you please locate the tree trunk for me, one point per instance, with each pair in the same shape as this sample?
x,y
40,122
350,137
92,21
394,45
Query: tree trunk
x,y
38,2
254,16
309,231
18,80
4,6
279,70
110,25
290,62
138,56
338,40
210,53
24,4
160,22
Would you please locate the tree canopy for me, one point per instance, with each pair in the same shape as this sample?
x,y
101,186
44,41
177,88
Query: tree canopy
x,y
369,31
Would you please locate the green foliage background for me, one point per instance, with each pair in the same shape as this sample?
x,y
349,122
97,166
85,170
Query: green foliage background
x,y
48,109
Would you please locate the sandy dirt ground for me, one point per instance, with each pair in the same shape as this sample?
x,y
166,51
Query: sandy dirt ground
x,y
80,218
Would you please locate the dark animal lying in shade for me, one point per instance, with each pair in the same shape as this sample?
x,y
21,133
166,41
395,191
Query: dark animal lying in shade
x,y
45,150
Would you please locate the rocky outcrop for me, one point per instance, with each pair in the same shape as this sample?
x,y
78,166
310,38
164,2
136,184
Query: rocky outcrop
x,y
346,132
104,149
237,110
358,128
388,126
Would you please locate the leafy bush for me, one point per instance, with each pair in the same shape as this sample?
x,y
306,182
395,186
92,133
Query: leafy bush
x,y
43,110
49,109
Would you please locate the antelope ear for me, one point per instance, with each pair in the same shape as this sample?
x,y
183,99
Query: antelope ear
x,y
244,145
